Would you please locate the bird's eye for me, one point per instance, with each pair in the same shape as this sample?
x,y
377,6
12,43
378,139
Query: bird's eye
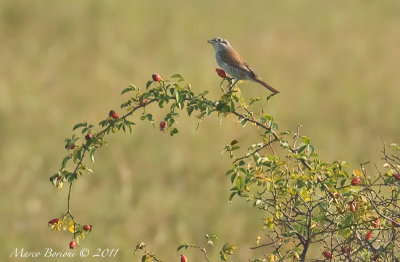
x,y
219,39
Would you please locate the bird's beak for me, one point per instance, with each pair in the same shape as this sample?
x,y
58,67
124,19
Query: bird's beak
x,y
210,41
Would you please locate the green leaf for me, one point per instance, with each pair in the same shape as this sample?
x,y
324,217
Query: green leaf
x,y
254,99
174,131
229,172
348,220
233,177
149,83
180,78
65,160
125,104
129,122
190,110
72,177
79,125
301,147
232,195
310,150
176,76
390,246
345,232
79,154
128,89
103,122
181,246
270,96
92,154
53,179
233,148
178,97
305,139
149,117
240,183
205,92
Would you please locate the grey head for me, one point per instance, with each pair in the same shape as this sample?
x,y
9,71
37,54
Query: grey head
x,y
219,43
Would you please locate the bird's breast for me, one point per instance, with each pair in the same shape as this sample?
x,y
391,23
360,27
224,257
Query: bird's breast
x,y
229,69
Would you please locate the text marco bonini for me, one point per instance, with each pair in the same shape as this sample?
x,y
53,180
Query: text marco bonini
x,y
48,252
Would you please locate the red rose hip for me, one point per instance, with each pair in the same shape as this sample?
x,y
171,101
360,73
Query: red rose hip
x,y
143,102
396,176
163,125
72,244
54,221
113,114
355,181
183,258
353,207
87,228
70,146
221,73
89,137
327,254
368,236
156,77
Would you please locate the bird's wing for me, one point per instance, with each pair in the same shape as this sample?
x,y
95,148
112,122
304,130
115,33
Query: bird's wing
x,y
232,58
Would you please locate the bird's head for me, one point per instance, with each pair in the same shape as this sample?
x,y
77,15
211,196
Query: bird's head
x,y
218,43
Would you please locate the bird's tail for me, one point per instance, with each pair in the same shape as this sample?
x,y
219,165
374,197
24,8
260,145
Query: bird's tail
x,y
270,88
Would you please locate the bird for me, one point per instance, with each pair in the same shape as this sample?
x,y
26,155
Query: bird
x,y
233,64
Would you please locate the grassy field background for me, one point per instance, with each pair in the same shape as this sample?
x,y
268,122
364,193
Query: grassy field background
x,y
336,64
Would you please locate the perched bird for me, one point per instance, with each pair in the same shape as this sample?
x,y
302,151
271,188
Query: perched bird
x,y
234,65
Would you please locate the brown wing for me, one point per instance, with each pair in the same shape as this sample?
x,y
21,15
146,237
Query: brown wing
x,y
232,58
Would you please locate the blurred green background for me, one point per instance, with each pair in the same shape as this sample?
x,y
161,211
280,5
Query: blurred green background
x,y
336,64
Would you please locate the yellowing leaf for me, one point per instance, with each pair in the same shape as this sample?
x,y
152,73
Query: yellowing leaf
x,y
304,193
71,228
358,172
272,258
56,226
68,224
81,235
